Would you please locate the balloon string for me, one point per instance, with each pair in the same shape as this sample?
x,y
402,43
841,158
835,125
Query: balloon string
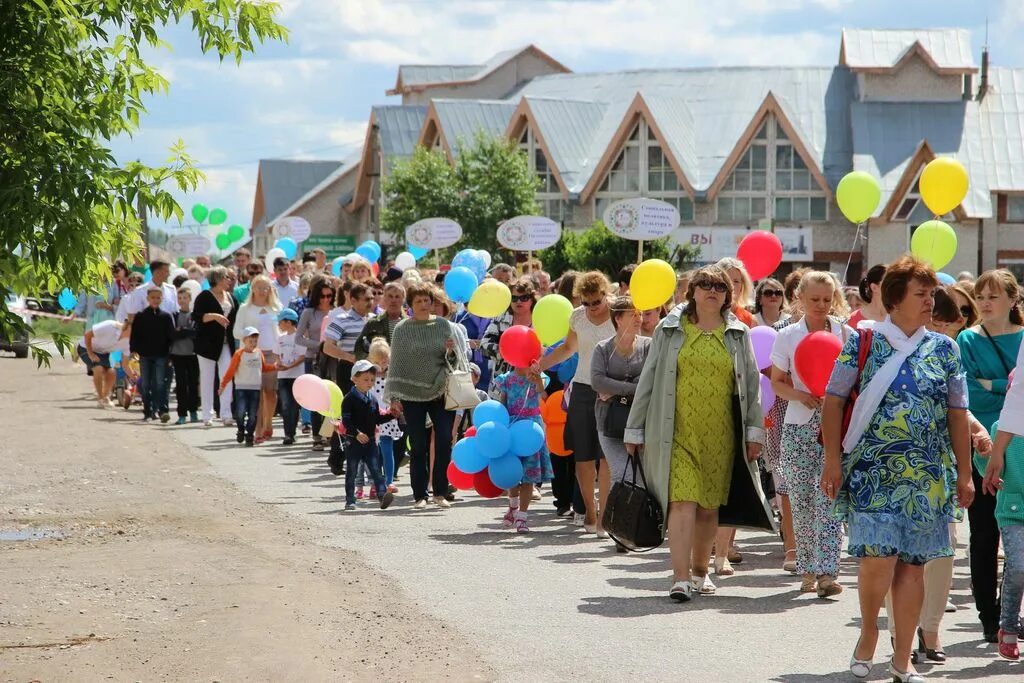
x,y
853,247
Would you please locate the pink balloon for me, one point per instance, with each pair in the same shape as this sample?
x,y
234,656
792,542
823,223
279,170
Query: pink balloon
x,y
761,253
763,339
311,394
767,395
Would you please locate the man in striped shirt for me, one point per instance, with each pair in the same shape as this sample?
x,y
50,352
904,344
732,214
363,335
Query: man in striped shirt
x,y
344,329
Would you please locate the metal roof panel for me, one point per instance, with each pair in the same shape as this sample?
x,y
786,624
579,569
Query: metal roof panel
x,y
877,48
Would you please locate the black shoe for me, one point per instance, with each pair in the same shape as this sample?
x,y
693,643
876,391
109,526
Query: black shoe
x,y
288,440
562,512
931,655
249,441
240,437
991,636
450,497
451,491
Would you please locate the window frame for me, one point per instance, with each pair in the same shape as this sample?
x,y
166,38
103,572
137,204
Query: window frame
x,y
545,198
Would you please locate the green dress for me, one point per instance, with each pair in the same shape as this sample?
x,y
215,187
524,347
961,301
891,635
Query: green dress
x,y
703,440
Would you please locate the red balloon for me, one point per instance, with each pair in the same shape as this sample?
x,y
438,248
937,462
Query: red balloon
x,y
814,359
458,478
761,253
471,431
375,268
484,486
519,346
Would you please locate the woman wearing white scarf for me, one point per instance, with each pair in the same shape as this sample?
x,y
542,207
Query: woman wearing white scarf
x,y
905,461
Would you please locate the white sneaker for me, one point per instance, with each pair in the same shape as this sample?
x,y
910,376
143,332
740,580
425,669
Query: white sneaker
x,y
440,502
102,403
704,585
208,423
577,519
420,504
228,422
536,495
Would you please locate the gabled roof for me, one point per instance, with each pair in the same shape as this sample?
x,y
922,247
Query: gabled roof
x,y
413,78
458,121
945,50
348,165
397,127
280,182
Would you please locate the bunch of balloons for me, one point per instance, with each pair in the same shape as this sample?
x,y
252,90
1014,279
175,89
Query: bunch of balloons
x,y
476,261
369,250
496,447
225,239
318,395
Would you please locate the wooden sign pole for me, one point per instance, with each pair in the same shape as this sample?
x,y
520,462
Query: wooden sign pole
x,y
639,252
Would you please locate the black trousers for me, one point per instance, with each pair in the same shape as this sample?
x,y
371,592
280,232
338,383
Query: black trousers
x,y
186,384
984,555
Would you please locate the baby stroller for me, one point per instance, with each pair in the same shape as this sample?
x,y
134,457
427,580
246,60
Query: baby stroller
x,y
126,389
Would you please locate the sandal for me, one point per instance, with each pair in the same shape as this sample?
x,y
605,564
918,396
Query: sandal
x,y
723,567
789,565
681,591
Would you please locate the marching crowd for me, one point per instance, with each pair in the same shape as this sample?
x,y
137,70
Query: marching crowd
x,y
919,422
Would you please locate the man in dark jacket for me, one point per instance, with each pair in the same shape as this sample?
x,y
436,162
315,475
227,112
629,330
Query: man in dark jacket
x,y
384,324
151,337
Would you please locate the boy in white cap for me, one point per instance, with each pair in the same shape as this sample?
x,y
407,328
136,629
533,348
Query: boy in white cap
x,y
246,368
290,365
360,415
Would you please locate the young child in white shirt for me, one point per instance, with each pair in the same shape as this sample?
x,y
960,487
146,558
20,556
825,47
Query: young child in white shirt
x,y
290,365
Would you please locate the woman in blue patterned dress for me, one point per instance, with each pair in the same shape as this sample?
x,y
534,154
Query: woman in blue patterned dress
x,y
905,460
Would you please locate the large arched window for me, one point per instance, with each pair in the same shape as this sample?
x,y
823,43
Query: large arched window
x,y
642,169
549,195
771,180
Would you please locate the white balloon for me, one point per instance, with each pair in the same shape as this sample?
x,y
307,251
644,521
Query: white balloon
x,y
405,261
175,272
272,255
485,256
194,287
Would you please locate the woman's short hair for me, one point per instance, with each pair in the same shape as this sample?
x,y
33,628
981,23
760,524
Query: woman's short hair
x,y
747,290
997,279
591,283
317,285
216,274
707,274
972,316
898,277
763,285
872,277
621,305
418,289
792,281
566,285
945,308
441,298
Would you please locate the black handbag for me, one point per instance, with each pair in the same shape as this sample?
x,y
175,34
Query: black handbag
x,y
633,516
616,417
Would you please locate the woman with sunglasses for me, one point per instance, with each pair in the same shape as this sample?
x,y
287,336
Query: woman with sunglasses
x,y
769,304
520,312
319,301
699,374
989,350
742,288
589,325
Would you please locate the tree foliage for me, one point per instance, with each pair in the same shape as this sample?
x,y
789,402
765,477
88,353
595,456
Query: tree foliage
x,y
72,78
598,248
491,182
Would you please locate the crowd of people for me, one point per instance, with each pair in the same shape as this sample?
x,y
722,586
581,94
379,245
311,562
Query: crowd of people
x,y
919,422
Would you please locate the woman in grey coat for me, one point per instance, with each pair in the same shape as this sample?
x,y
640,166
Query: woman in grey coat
x,y
702,470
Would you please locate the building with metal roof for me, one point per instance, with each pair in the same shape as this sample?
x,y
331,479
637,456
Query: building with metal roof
x,y
735,149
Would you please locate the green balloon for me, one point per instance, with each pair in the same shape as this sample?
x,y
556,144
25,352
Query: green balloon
x,y
223,241
200,212
858,196
236,232
218,216
934,242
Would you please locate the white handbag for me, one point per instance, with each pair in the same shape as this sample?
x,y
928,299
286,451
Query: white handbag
x,y
459,390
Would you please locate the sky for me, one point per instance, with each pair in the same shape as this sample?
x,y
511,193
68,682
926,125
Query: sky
x,y
310,98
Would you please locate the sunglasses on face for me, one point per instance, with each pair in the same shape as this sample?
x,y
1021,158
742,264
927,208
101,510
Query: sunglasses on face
x,y
593,304
772,292
326,295
708,286
965,311
522,297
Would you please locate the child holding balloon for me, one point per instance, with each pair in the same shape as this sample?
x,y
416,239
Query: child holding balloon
x,y
521,391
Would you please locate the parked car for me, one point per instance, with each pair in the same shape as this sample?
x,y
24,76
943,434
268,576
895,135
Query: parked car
x,y
19,345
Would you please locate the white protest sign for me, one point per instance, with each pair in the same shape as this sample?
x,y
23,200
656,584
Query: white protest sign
x,y
529,233
296,227
187,245
641,218
433,233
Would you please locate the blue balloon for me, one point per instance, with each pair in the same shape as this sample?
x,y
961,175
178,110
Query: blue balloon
x,y
374,248
467,457
367,253
336,271
417,252
148,275
554,368
489,411
459,284
526,438
115,357
469,259
492,439
567,368
288,246
205,284
946,278
67,299
506,472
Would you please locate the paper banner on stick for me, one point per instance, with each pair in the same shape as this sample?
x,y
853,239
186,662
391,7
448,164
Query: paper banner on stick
x,y
188,245
295,227
641,218
529,233
433,233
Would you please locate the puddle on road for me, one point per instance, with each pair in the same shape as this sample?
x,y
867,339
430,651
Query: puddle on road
x,y
26,534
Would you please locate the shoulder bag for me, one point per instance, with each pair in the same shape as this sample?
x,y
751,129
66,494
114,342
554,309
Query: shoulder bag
x,y
459,390
633,516
617,415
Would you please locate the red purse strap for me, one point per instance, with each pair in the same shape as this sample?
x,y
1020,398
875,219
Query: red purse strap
x,y
862,353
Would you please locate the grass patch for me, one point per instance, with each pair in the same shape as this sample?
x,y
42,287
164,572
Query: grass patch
x,y
44,327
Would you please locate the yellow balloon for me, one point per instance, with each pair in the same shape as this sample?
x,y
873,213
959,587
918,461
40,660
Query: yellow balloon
x,y
491,299
943,185
335,392
934,242
652,284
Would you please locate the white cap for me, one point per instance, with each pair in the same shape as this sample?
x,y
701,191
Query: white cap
x,y
363,366
249,331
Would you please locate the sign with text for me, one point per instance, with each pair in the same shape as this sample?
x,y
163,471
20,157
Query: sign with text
x,y
529,233
719,243
641,218
333,245
187,245
296,227
433,233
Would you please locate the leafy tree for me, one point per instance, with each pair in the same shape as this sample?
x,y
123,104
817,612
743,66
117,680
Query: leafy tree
x,y
491,182
72,78
597,248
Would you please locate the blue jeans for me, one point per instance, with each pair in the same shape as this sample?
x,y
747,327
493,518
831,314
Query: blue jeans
x,y
1013,578
419,446
357,454
386,445
246,403
289,407
153,373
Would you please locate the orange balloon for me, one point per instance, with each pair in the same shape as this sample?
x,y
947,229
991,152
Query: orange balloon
x,y
552,411
555,439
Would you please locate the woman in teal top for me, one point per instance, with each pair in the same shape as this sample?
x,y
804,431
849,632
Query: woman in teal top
x,y
988,351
